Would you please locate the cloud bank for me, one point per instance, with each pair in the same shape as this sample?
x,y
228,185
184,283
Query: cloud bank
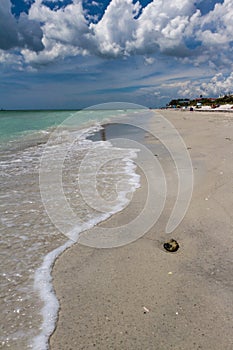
x,y
219,85
172,28
18,33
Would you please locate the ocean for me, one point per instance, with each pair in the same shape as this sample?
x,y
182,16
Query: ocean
x,y
30,238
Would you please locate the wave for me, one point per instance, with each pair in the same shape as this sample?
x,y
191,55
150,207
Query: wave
x,y
43,279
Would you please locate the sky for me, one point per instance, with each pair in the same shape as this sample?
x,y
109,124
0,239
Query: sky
x,y
71,54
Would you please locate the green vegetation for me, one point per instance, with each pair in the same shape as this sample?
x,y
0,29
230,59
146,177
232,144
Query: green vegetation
x,y
179,102
204,101
224,100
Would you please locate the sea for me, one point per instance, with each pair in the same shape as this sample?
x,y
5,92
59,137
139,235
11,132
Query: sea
x,y
30,238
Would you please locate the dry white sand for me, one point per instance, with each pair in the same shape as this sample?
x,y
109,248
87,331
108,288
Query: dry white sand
x,y
188,294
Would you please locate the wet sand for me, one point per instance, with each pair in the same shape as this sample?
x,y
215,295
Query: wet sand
x,y
141,297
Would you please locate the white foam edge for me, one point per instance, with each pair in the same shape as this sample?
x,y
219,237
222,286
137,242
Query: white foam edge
x,y
130,168
43,285
43,278
43,282
83,131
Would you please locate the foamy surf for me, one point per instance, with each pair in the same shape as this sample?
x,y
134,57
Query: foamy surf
x,y
43,279
43,286
30,241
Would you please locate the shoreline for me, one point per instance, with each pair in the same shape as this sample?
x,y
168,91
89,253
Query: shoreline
x,y
43,275
216,110
103,293
43,286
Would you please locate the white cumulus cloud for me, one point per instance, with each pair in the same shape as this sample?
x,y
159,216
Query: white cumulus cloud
x,y
18,33
173,28
116,30
217,86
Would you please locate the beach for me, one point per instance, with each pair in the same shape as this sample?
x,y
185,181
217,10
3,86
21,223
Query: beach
x,y
116,186
34,222
139,296
83,262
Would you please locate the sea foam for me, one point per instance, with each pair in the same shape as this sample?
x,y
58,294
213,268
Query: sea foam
x,y
43,285
43,279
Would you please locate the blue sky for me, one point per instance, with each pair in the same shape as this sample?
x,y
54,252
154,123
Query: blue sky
x,y
74,54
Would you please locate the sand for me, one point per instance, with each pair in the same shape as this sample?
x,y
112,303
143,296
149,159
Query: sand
x,y
141,297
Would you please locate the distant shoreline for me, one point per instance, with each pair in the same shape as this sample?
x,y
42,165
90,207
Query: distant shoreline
x,y
40,110
215,110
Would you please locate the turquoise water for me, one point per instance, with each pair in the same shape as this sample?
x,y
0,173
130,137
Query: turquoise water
x,y
27,234
15,124
29,125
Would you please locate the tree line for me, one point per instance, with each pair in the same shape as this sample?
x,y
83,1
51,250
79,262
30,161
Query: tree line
x,y
183,102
